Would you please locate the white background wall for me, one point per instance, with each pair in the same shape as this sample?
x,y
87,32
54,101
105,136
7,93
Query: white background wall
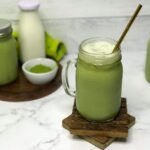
x,y
77,8
72,21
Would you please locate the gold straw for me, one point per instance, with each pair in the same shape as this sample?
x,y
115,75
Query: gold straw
x,y
127,27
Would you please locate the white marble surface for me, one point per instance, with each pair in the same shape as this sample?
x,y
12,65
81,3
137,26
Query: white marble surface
x,y
37,125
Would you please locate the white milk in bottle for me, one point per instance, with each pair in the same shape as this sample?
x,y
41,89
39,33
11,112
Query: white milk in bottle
x,y
31,31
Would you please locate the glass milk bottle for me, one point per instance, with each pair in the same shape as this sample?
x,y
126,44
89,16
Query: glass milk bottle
x,y
147,66
98,79
8,54
31,31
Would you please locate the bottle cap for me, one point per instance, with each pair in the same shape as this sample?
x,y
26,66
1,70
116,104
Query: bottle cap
x,y
5,28
28,4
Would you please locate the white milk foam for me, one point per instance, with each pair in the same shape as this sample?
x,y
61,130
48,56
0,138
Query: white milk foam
x,y
99,47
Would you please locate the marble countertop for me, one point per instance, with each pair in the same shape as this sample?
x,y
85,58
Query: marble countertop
x,y
37,125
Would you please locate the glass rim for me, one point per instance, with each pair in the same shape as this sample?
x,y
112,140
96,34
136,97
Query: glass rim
x,y
99,58
88,40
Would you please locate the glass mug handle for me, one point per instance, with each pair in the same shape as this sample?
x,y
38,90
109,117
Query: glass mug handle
x,y
64,77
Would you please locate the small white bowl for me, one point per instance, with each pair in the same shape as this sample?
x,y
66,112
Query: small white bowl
x,y
40,78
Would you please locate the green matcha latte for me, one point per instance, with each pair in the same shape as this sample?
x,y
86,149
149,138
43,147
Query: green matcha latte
x,y
98,80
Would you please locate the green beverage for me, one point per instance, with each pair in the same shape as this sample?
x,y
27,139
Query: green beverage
x,y
98,80
8,54
147,66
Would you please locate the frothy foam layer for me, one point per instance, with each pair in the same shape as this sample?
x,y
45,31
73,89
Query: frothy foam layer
x,y
99,47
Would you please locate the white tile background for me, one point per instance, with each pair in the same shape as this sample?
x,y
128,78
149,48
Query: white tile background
x,y
77,8
74,20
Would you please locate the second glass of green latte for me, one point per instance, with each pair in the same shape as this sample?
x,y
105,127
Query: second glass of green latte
x,y
98,80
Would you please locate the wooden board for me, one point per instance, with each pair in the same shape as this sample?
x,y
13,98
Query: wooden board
x,y
100,142
23,90
103,141
116,128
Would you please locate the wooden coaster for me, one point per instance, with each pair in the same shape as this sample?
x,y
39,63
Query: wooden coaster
x,y
102,139
100,142
116,128
23,90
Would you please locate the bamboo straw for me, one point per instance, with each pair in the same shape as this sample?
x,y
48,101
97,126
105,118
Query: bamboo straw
x,y
127,27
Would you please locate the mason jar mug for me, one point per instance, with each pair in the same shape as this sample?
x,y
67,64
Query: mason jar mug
x,y
8,54
98,79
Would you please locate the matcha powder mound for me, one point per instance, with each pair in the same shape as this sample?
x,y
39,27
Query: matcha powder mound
x,y
40,69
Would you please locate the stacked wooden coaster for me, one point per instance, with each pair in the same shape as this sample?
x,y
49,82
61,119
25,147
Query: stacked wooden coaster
x,y
100,134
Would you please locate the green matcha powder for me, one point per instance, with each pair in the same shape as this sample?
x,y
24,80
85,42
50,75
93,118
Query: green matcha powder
x,y
40,69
